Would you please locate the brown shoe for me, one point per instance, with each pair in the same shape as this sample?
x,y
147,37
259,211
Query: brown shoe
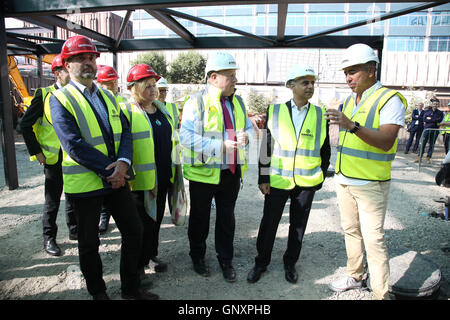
x,y
428,160
140,294
417,160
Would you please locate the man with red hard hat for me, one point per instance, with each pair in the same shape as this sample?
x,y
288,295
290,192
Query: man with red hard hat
x,y
108,78
97,152
43,145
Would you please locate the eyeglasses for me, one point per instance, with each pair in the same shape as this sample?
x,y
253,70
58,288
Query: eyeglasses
x,y
163,90
232,76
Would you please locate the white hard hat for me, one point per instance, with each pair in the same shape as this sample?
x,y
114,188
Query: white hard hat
x,y
299,70
162,83
220,61
358,54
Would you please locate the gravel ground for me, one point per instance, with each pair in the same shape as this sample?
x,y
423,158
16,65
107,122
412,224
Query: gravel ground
x,y
28,273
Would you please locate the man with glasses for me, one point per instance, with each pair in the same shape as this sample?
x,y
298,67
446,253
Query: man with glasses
x,y
163,89
214,132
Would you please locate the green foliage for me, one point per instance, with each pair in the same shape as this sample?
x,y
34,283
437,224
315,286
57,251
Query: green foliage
x,y
257,102
187,68
155,60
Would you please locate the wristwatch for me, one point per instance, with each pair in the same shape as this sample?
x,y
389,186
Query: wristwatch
x,y
355,128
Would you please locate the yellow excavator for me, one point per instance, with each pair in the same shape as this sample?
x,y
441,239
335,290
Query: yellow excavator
x,y
19,84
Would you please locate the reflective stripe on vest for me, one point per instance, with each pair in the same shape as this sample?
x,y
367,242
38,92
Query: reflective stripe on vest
x,y
372,163
174,113
296,161
79,179
207,170
446,119
45,134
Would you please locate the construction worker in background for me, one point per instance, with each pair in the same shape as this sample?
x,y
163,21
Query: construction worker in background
x,y
445,124
108,79
214,132
294,166
97,152
369,123
43,145
152,128
163,88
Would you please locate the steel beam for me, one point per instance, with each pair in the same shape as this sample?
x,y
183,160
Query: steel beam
x,y
365,22
215,25
281,27
122,28
14,8
173,25
6,118
76,28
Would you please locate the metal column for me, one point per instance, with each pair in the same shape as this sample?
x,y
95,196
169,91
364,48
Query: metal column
x,y
6,118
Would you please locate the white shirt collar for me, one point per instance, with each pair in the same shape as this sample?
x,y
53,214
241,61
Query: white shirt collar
x,y
295,107
368,91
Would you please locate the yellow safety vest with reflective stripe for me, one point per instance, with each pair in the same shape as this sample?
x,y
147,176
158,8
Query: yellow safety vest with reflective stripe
x,y
198,167
143,145
296,161
174,112
446,119
45,134
357,159
79,179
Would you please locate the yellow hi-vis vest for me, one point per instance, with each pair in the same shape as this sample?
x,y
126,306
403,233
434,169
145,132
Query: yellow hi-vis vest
x,y
446,119
173,112
357,159
143,145
207,169
76,178
296,162
45,134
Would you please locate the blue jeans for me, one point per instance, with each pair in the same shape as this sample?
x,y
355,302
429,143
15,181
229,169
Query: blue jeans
x,y
431,137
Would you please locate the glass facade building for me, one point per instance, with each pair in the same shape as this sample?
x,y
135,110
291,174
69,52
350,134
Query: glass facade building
x,y
423,31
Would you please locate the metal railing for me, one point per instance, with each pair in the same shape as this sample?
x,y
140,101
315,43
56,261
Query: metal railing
x,y
421,142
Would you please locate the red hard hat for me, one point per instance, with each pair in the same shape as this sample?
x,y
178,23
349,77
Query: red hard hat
x,y
106,73
76,45
57,62
140,71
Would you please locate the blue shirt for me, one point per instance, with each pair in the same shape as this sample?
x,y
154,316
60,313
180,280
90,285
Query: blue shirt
x,y
191,132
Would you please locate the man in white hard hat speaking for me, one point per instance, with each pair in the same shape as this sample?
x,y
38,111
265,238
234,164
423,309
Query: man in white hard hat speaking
x,y
369,123
215,129
294,167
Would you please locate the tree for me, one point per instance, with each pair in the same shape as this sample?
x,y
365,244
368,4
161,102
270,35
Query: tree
x,y
187,68
155,60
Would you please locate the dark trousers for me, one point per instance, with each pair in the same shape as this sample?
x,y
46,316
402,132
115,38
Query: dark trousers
x,y
446,138
150,238
416,132
225,194
429,136
53,190
299,209
123,210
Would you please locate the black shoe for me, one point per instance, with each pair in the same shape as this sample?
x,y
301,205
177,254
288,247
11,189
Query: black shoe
x,y
200,267
406,152
159,265
103,227
140,294
255,274
52,248
100,296
73,236
290,274
228,272
145,280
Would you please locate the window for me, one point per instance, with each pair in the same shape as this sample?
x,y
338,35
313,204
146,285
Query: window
x,y
440,18
410,44
325,19
439,44
412,19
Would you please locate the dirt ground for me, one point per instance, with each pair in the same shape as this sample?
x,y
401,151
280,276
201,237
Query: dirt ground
x,y
28,273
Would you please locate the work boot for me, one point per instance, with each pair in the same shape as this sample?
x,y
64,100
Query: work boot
x,y
428,160
417,160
